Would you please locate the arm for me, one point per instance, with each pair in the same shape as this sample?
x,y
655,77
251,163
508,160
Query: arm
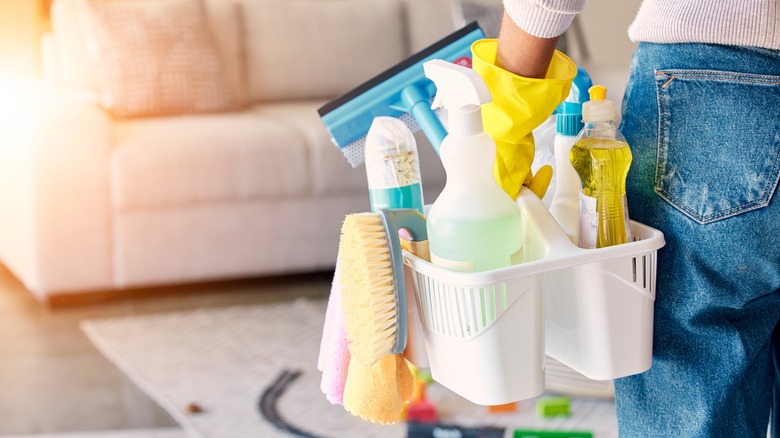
x,y
529,33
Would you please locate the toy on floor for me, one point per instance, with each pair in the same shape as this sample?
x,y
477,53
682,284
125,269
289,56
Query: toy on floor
x,y
503,409
548,407
420,409
438,430
521,433
270,399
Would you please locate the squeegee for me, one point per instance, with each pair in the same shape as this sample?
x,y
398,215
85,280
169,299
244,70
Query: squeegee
x,y
402,92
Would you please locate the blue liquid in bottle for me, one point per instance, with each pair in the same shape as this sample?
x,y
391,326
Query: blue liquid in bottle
x,y
398,197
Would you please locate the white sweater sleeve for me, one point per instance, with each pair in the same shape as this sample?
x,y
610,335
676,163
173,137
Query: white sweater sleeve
x,y
543,18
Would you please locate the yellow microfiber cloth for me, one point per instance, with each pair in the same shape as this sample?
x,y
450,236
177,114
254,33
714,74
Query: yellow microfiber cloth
x,y
378,393
519,105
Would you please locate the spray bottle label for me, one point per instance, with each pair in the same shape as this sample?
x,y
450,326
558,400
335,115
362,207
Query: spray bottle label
x,y
390,171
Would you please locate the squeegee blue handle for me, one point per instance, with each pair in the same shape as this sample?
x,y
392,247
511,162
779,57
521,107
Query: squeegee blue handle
x,y
416,99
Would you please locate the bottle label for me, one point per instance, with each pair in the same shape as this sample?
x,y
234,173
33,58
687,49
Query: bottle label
x,y
453,265
391,171
397,197
589,221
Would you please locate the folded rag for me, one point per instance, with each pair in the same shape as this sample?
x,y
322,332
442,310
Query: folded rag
x,y
334,354
375,393
378,393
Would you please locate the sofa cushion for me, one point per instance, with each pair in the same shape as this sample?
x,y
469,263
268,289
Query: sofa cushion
x,y
329,170
156,57
166,162
428,21
73,67
308,49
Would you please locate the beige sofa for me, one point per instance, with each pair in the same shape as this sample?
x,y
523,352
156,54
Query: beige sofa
x,y
94,203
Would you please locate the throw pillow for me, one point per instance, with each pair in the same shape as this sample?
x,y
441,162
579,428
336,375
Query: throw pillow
x,y
156,57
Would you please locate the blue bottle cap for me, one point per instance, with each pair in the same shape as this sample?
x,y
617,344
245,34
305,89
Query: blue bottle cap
x,y
569,113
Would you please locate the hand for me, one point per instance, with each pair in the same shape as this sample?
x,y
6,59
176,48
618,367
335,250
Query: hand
x,y
519,105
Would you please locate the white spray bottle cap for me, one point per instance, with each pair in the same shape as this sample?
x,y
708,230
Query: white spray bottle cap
x,y
461,91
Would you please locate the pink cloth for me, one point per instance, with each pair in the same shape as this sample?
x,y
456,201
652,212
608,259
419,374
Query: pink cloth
x,y
334,354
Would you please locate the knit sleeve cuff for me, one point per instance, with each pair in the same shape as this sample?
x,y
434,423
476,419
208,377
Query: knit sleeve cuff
x,y
543,18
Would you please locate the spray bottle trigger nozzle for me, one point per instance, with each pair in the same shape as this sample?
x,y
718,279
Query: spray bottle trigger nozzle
x,y
438,102
456,85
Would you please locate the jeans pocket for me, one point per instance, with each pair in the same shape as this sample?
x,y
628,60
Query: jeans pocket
x,y
719,141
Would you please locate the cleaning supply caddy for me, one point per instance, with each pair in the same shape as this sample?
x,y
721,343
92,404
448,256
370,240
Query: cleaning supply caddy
x,y
486,333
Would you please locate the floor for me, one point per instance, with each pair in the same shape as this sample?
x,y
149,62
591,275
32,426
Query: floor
x,y
54,381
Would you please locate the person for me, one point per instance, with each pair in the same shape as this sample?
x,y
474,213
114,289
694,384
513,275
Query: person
x,y
701,114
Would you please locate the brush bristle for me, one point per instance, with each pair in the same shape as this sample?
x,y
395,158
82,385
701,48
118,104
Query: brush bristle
x,y
368,288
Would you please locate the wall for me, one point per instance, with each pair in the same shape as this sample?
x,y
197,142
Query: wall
x,y
605,27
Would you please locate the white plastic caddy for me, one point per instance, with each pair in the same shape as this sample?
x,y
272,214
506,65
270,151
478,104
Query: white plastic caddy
x,y
485,331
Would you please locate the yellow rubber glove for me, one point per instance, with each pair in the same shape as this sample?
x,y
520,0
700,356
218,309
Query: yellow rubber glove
x,y
519,105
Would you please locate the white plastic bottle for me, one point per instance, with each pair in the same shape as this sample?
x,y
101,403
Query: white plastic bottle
x,y
565,203
473,225
564,206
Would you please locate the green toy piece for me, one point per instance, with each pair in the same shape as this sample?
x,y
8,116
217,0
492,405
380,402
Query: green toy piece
x,y
521,433
553,406
426,377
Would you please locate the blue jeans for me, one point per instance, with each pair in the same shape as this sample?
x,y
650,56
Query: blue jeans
x,y
703,122
776,390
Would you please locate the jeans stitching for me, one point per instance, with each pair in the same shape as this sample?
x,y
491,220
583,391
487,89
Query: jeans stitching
x,y
661,161
748,78
661,149
723,214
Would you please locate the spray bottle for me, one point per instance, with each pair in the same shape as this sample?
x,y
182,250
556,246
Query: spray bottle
x,y
392,166
601,157
473,225
564,206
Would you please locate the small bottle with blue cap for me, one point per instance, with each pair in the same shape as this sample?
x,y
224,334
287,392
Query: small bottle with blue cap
x,y
564,206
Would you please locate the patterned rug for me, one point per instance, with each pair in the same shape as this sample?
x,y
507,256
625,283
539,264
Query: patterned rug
x,y
219,361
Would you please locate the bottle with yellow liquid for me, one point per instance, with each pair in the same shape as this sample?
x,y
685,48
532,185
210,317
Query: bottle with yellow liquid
x,y
601,156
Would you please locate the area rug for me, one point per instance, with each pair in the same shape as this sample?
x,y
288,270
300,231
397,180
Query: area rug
x,y
209,367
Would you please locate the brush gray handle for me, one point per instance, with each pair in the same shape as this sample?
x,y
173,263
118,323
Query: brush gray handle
x,y
394,220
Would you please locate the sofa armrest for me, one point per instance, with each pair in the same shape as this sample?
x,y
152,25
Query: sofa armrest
x,y
55,223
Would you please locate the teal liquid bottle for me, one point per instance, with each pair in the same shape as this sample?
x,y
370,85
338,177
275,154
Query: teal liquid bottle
x,y
392,166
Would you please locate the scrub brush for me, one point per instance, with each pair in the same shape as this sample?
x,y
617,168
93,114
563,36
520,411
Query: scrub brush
x,y
372,278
